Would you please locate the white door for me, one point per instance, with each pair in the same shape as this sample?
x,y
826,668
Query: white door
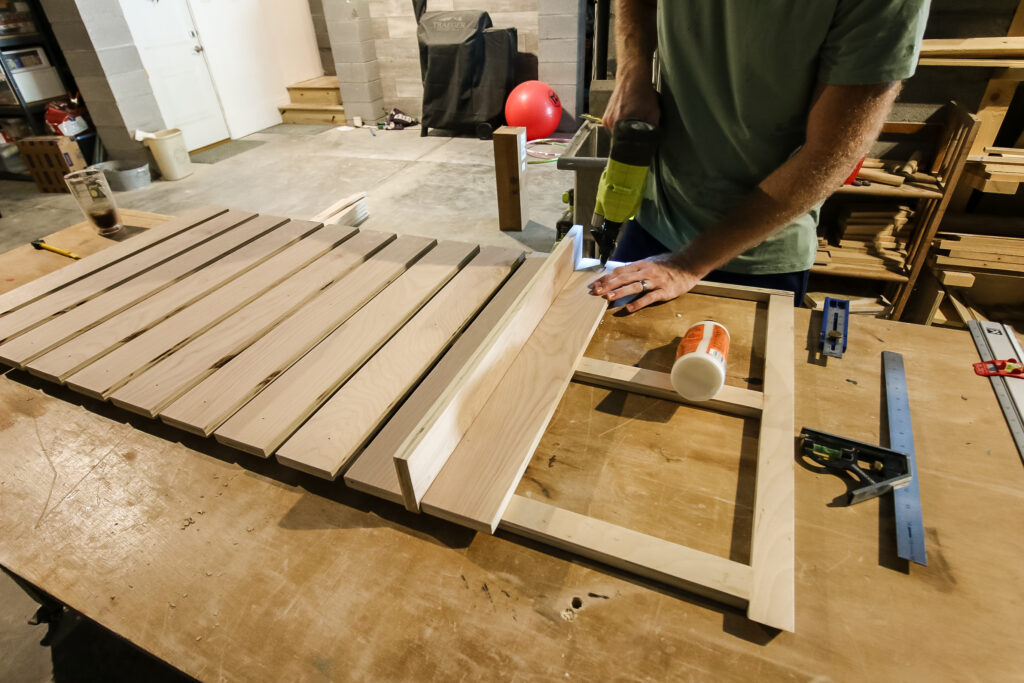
x,y
256,48
171,53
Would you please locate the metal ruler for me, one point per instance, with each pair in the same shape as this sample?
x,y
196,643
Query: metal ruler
x,y
996,341
909,525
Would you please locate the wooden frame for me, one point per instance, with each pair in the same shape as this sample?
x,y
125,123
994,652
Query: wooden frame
x,y
765,587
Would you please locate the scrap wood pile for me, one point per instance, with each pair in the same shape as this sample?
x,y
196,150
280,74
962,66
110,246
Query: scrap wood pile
x,y
871,242
906,174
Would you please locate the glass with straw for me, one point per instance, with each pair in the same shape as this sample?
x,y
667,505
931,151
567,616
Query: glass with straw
x,y
91,191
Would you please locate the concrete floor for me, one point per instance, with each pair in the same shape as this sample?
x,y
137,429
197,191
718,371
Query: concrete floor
x,y
436,186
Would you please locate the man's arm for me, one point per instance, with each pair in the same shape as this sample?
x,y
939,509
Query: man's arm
x,y
636,34
843,122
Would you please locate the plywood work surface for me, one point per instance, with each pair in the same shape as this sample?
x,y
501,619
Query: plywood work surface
x,y
236,568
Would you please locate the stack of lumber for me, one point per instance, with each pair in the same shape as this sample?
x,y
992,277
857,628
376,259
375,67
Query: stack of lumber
x,y
1000,170
978,253
872,243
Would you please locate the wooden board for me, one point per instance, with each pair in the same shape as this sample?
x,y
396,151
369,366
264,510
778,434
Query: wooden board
x,y
176,372
510,177
732,400
374,472
269,418
1009,46
153,295
230,385
478,479
773,552
31,314
130,356
421,445
328,441
70,272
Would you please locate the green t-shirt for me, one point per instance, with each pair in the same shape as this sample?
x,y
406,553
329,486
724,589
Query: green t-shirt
x,y
736,83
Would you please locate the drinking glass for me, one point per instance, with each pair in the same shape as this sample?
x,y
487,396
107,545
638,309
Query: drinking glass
x,y
91,191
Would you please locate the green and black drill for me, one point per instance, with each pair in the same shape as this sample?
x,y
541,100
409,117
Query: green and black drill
x,y
621,187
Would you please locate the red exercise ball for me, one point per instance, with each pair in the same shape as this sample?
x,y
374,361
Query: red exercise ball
x,y
535,105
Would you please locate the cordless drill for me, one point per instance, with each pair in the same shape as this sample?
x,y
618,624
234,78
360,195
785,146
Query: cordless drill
x,y
622,181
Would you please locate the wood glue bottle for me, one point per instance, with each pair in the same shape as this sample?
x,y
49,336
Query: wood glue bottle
x,y
699,371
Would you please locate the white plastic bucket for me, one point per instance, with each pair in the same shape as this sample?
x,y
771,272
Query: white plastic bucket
x,y
168,146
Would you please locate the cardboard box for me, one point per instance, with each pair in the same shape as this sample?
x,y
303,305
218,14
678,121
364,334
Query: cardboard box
x,y
49,158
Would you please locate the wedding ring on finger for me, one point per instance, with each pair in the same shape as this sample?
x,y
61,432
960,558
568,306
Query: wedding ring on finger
x,y
643,286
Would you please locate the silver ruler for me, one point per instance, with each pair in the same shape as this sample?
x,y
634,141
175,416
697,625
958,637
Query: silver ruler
x,y
996,341
907,499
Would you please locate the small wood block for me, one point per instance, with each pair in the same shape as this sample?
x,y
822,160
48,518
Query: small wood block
x,y
510,176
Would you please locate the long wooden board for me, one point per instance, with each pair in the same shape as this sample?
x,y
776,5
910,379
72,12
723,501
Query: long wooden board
x,y
333,436
183,368
427,444
131,356
479,478
641,554
133,320
374,470
732,400
773,550
269,418
78,270
203,408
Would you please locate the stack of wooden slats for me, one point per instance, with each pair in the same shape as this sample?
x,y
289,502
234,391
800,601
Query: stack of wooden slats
x,y
872,242
999,171
978,253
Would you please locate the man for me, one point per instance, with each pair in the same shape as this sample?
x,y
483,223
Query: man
x,y
766,106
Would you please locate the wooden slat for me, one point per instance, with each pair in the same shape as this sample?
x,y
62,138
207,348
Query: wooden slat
x,y
73,272
326,443
772,552
653,558
731,400
374,470
85,346
67,297
422,449
187,364
204,407
973,264
1008,46
263,424
478,479
728,291
133,356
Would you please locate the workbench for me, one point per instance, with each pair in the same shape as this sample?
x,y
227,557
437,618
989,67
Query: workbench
x,y
233,568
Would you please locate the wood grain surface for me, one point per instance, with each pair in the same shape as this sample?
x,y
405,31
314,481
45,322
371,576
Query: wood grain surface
x,y
131,355
269,418
483,471
340,427
187,365
230,385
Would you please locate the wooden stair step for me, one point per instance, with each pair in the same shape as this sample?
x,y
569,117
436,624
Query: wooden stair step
x,y
326,82
320,90
313,113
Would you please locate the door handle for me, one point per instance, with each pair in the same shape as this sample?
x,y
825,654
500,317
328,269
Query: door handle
x,y
197,48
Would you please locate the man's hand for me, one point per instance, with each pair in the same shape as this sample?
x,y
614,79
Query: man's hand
x,y
665,277
633,98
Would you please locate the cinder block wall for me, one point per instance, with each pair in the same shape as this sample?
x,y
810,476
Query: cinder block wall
x,y
394,37
101,54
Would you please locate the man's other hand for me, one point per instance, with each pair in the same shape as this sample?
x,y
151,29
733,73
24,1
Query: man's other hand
x,y
662,277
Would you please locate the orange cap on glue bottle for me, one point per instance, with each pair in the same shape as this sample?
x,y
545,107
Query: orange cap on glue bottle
x,y
699,371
